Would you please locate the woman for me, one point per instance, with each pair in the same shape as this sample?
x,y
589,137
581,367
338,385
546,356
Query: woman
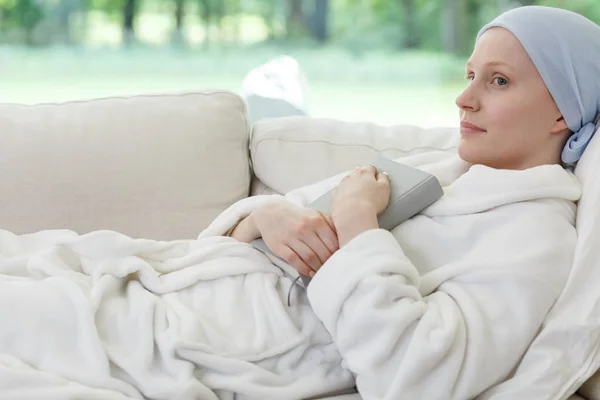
x,y
445,305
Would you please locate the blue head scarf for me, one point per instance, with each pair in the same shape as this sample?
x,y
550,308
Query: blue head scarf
x,y
565,48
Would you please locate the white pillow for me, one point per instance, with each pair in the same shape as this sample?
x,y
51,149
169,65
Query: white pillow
x,y
566,352
288,153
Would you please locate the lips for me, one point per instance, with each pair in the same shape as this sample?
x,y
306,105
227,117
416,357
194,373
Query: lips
x,y
467,128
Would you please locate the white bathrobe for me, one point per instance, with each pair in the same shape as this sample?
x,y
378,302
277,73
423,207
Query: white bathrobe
x,y
442,307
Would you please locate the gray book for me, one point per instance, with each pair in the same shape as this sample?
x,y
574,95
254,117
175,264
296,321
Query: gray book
x,y
411,191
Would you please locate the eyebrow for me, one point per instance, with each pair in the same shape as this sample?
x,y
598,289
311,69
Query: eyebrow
x,y
494,64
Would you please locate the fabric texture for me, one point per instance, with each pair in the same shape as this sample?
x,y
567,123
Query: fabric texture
x,y
441,297
153,166
566,352
428,312
106,316
206,318
289,153
565,48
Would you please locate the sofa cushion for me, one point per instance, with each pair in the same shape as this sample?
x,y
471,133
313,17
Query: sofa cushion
x,y
292,152
258,188
153,166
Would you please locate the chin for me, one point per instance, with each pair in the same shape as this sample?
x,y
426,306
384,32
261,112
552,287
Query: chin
x,y
467,153
473,155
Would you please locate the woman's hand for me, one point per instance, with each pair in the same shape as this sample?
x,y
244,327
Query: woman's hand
x,y
303,237
357,201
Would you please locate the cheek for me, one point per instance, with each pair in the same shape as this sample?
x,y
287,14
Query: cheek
x,y
511,118
504,115
529,110
503,119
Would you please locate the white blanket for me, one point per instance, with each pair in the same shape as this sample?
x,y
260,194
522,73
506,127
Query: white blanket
x,y
442,307
108,316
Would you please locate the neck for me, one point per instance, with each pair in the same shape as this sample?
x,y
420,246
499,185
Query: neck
x,y
544,159
550,155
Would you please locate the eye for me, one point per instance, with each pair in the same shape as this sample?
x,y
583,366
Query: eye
x,y
470,77
500,81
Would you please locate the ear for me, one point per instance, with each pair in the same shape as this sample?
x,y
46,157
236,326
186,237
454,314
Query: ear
x,y
560,125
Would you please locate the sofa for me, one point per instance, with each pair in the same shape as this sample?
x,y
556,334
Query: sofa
x,y
163,166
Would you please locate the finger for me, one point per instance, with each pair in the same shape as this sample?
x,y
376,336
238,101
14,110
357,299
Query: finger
x,y
321,237
328,235
292,258
369,169
318,245
329,221
383,178
352,173
307,253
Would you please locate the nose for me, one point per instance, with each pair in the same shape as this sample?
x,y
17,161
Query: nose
x,y
468,100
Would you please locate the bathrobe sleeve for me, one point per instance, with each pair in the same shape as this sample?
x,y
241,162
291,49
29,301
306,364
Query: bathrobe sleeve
x,y
225,222
303,196
454,342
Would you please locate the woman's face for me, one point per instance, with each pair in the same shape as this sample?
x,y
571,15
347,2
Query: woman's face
x,y
518,124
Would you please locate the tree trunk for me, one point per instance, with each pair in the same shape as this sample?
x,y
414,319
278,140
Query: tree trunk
x,y
206,16
295,22
3,18
65,10
320,20
84,18
177,38
269,19
235,12
411,30
179,14
29,15
219,13
455,27
474,20
129,10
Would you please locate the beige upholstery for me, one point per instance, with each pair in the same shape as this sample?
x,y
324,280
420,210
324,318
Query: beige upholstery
x,y
292,152
159,167
257,187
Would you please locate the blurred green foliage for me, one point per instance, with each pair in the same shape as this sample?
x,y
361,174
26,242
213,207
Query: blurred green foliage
x,y
358,25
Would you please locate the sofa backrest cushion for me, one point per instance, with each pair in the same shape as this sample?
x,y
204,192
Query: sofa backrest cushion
x,y
292,152
152,166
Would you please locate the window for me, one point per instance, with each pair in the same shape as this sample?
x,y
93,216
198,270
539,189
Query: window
x,y
384,61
